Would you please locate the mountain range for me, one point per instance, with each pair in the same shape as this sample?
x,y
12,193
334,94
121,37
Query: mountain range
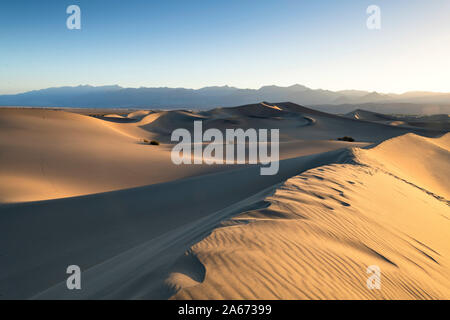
x,y
114,96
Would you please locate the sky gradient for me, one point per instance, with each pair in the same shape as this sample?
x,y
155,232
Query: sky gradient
x,y
247,44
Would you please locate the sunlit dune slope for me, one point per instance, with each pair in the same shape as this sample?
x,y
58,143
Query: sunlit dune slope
x,y
316,235
309,232
48,154
421,161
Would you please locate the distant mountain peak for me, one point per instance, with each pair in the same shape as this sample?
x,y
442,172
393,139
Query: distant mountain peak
x,y
110,96
296,87
299,87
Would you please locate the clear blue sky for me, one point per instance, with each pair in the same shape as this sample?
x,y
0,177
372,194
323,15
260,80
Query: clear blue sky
x,y
243,43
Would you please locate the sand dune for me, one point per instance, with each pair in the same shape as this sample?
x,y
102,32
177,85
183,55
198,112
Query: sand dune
x,y
48,154
435,122
420,161
319,231
52,154
310,237
142,219
114,116
85,190
138,114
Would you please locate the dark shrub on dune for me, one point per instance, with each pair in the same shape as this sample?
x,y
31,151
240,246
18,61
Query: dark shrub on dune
x,y
346,138
154,143
151,142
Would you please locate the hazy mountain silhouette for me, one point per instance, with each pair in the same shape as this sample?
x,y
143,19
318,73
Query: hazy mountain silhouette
x,y
115,96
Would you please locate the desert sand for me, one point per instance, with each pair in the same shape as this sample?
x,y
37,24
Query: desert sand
x,y
84,189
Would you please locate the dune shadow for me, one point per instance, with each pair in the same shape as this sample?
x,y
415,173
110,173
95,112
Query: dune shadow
x,y
117,119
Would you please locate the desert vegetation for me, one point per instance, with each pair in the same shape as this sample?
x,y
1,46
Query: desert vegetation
x,y
151,142
346,138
